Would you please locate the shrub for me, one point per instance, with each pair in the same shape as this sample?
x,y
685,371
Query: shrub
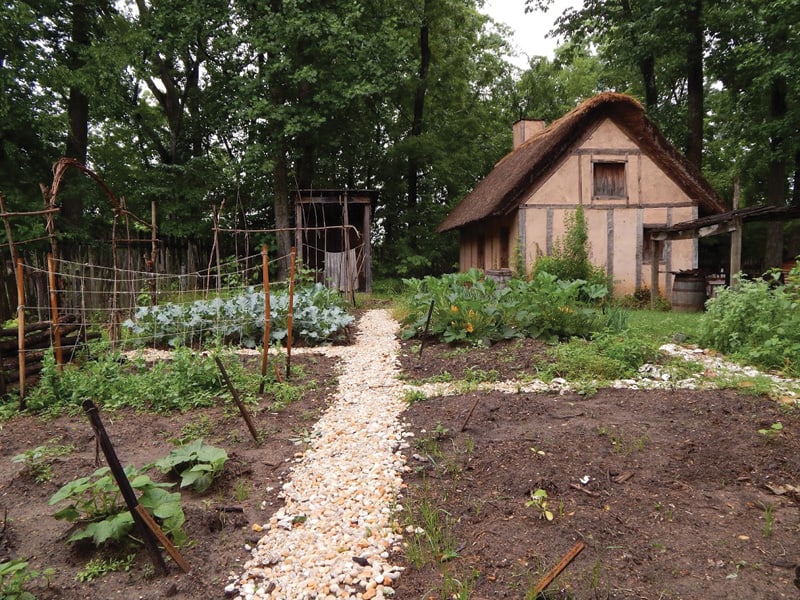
x,y
759,322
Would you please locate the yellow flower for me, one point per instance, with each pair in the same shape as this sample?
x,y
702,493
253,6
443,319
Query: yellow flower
x,y
469,327
454,308
565,309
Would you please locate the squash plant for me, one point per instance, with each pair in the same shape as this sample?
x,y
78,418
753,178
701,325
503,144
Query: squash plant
x,y
97,507
196,463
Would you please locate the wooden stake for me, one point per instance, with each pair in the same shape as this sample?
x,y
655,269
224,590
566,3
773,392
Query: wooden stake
x,y
474,404
21,332
238,401
425,332
168,546
148,537
555,571
290,318
51,268
267,316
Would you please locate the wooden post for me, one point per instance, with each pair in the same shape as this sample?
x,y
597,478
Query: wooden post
x,y
267,316
654,261
51,268
736,240
290,317
124,486
21,332
242,408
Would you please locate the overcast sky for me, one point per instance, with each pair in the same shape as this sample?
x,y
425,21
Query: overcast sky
x,y
530,29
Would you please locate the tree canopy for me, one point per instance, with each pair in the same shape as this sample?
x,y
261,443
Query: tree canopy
x,y
236,103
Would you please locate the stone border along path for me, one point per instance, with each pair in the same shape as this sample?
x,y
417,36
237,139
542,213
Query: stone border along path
x,y
332,537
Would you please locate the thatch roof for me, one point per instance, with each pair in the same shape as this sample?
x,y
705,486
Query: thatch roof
x,y
503,189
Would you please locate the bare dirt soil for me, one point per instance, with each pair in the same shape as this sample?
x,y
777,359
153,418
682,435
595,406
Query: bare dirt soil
x,y
675,494
683,498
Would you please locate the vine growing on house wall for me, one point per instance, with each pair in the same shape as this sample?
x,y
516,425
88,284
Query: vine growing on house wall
x,y
569,258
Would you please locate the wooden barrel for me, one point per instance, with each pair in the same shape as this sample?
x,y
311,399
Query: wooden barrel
x,y
688,293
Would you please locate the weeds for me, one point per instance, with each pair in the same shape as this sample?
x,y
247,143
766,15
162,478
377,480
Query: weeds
x,y
769,518
99,567
38,462
430,539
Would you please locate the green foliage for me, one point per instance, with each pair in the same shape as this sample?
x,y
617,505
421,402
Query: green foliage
x,y
569,258
772,431
189,380
96,507
197,464
664,327
538,500
471,308
99,567
759,323
608,356
194,429
320,316
38,461
14,574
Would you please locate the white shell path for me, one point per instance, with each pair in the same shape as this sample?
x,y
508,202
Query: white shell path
x,y
340,500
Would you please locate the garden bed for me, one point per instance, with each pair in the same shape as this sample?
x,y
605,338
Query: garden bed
x,y
685,498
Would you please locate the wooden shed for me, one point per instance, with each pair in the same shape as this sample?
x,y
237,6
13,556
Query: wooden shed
x,y
607,156
332,236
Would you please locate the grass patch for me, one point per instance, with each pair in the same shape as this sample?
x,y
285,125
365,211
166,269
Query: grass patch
x,y
665,327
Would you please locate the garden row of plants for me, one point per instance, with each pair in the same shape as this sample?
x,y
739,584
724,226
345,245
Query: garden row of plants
x,y
320,315
756,322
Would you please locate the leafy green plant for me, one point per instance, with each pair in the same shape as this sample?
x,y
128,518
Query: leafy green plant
x,y
38,461
99,567
569,257
414,396
608,356
772,431
197,464
14,575
539,501
320,315
189,380
100,514
759,322
470,308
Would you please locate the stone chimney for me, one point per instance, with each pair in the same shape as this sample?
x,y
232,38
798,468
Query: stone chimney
x,y
525,129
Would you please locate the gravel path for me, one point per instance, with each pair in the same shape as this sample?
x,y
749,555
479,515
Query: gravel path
x,y
333,535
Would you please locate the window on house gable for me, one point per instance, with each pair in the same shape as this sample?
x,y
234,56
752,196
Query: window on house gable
x,y
609,179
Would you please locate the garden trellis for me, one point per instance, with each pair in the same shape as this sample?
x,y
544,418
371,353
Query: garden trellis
x,y
139,299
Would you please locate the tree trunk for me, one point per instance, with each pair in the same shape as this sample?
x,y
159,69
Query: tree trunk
x,y
776,185
647,67
77,112
694,80
419,105
282,209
